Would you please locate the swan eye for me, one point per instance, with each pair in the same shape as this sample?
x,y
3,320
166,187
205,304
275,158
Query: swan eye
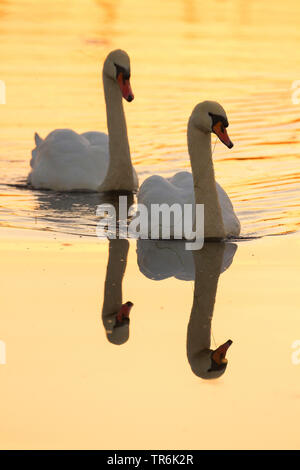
x,y
121,70
217,118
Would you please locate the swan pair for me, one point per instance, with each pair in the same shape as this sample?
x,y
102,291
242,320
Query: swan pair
x,y
67,161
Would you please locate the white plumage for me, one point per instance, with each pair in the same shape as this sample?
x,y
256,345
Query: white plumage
x,y
68,161
65,161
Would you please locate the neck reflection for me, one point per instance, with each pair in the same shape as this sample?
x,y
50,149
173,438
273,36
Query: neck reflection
x,y
115,313
159,260
209,262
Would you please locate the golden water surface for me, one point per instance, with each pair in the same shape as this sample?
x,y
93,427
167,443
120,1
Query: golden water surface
x,y
64,385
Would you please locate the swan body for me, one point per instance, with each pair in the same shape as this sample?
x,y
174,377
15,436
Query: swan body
x,y
184,187
67,161
94,161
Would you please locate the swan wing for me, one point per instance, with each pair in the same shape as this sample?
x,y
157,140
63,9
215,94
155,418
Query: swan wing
x,y
96,138
177,189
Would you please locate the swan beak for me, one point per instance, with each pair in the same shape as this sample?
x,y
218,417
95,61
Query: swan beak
x,y
124,311
221,132
219,354
125,88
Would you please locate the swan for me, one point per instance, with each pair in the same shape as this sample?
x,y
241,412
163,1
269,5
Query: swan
x,y
220,220
67,161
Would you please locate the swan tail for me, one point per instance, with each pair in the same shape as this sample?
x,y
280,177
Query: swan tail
x,y
38,140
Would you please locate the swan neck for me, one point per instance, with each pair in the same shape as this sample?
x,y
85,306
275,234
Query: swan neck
x,y
120,172
205,190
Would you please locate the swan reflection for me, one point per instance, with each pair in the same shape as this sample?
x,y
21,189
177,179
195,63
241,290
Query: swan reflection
x,y
159,260
209,263
115,314
74,212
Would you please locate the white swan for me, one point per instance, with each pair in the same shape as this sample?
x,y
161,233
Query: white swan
x,y
220,220
67,161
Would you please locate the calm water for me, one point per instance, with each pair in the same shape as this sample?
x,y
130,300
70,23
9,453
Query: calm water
x,y
60,294
67,384
244,54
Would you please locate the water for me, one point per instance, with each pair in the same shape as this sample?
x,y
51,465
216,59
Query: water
x,y
67,384
242,54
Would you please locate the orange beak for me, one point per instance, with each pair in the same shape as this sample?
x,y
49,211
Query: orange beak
x,y
221,132
125,88
219,354
124,311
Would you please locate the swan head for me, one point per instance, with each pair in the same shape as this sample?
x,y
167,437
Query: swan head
x,y
34,153
210,117
119,334
117,68
211,364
